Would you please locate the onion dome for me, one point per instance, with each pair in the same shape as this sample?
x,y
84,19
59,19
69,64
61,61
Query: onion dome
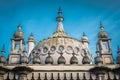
x,y
59,42
118,58
61,60
86,59
102,33
36,59
73,59
98,59
49,59
2,58
31,38
19,33
24,58
84,38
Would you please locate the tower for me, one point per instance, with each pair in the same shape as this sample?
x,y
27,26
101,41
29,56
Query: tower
x,y
17,46
85,41
103,46
31,43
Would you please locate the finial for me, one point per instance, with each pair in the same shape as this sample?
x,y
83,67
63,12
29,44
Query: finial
x,y
101,26
3,50
84,34
59,11
19,26
59,18
31,34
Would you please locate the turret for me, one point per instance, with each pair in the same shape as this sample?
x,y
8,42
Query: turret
x,y
31,43
104,46
85,40
17,46
2,58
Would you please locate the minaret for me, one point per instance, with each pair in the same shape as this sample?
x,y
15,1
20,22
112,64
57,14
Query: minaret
x,y
31,43
60,30
104,47
2,58
17,46
85,41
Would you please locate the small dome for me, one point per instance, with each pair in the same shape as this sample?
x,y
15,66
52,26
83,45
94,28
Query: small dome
x,y
36,60
102,34
2,59
24,59
31,37
61,60
84,38
73,60
49,60
86,60
19,33
98,60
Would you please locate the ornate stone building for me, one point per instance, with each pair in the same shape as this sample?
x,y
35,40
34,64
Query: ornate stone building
x,y
59,57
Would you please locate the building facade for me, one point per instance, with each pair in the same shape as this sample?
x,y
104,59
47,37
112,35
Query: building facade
x,y
59,57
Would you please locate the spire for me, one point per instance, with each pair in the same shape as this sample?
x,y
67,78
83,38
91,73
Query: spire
x,y
2,58
31,38
84,34
84,38
3,50
31,34
60,30
19,27
59,18
101,26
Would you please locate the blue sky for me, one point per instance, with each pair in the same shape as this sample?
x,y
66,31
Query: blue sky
x,y
39,17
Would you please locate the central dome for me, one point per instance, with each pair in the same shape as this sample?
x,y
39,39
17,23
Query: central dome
x,y
60,44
